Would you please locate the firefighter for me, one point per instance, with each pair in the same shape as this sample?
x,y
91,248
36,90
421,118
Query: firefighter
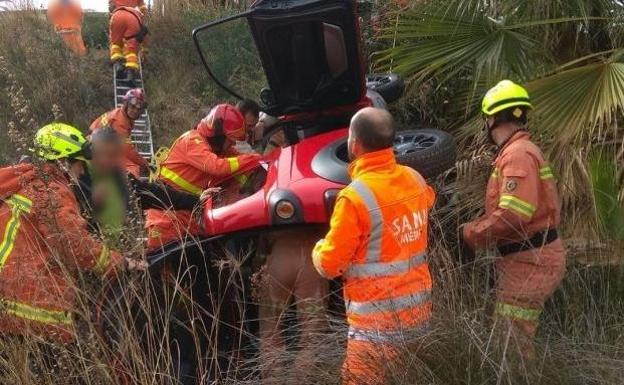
x,y
126,32
522,211
198,159
122,119
251,112
377,242
66,17
44,243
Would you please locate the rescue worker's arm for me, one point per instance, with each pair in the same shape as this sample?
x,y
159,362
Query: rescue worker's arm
x,y
65,232
201,157
133,155
162,197
517,203
333,254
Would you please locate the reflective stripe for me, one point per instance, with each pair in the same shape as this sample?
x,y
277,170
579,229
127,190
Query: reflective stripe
x,y
388,336
19,204
130,64
234,165
495,173
389,305
242,179
115,46
546,173
116,56
373,252
103,261
382,269
518,312
35,314
131,55
517,205
179,181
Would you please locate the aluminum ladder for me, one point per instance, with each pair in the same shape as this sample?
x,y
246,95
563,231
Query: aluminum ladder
x,y
141,134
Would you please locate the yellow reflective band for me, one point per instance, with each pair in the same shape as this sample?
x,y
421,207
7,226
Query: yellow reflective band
x,y
234,165
131,55
132,65
242,179
495,173
116,56
546,173
115,46
103,260
179,181
517,312
19,204
35,314
517,205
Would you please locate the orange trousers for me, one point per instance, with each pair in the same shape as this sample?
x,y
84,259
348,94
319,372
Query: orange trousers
x,y
122,47
73,39
524,282
366,362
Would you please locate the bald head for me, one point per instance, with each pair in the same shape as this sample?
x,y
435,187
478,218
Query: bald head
x,y
373,129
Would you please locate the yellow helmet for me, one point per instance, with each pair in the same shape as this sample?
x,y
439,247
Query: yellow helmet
x,y
58,141
504,95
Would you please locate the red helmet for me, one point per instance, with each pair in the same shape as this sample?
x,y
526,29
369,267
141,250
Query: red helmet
x,y
136,97
225,118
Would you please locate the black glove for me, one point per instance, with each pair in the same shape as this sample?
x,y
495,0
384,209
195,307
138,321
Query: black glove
x,y
466,253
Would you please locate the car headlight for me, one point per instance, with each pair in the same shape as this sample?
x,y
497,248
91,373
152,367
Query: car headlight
x,y
285,209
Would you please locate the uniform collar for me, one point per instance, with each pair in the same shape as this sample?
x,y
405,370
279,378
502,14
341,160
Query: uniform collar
x,y
372,161
520,135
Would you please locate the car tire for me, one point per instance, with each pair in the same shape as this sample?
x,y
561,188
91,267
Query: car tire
x,y
390,86
429,151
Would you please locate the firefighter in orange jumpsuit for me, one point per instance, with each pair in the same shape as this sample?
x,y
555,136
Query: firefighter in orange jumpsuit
x,y
378,242
44,241
195,161
121,119
66,17
522,211
126,32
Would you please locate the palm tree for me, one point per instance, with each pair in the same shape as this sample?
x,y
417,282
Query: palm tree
x,y
570,55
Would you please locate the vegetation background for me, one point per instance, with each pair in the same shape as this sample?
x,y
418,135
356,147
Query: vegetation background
x,y
570,53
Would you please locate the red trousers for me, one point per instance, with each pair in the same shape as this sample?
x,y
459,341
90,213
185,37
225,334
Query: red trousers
x,y
73,39
124,25
525,281
366,362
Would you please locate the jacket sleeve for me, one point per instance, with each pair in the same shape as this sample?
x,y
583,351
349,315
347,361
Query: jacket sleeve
x,y
65,232
200,156
133,155
162,197
517,203
333,254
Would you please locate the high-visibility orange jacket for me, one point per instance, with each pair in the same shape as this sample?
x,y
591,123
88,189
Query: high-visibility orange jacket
x,y
377,241
44,243
65,15
521,197
123,125
190,166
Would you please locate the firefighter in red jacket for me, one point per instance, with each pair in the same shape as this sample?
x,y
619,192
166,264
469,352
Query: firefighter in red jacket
x,y
198,159
522,211
127,33
44,243
140,4
121,119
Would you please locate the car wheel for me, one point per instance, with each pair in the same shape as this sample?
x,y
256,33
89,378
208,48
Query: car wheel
x,y
428,151
390,86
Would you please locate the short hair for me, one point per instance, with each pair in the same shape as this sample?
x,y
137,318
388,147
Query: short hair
x,y
105,134
374,128
247,105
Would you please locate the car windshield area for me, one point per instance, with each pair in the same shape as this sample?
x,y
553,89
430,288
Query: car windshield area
x,y
231,42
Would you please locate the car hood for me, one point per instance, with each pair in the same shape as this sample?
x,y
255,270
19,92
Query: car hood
x,y
310,52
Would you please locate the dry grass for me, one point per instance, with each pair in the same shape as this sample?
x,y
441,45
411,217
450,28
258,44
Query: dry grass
x,y
580,341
